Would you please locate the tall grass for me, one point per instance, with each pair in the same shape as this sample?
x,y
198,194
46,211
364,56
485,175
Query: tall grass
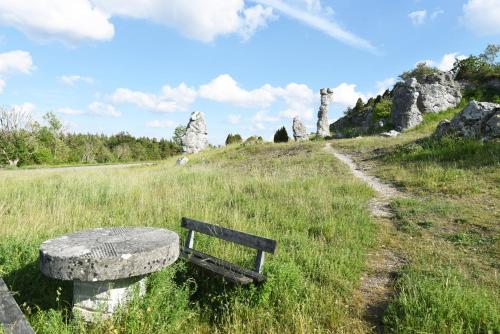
x,y
448,229
294,193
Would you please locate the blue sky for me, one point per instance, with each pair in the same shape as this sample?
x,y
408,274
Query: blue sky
x,y
143,66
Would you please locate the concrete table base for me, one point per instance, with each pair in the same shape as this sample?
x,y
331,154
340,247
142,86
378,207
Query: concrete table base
x,y
107,265
99,300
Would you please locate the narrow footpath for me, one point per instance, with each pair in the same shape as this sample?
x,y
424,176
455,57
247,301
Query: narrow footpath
x,y
377,284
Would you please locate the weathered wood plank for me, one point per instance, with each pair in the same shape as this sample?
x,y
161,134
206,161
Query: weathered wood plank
x,y
249,240
11,317
225,267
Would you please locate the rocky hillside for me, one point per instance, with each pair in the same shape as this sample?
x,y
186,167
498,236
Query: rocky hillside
x,y
424,90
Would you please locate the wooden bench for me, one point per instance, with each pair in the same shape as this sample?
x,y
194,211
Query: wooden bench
x,y
230,271
12,319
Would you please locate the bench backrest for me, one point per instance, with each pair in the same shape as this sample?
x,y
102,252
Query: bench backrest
x,y
241,238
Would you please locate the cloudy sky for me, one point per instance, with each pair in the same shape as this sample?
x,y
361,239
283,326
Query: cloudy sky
x,y
143,66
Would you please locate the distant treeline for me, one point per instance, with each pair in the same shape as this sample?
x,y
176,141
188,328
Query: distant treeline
x,y
25,142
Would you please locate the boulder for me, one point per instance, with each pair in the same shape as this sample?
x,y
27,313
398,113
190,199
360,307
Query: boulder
x,y
323,126
477,120
438,92
196,137
182,161
405,113
299,130
392,133
434,93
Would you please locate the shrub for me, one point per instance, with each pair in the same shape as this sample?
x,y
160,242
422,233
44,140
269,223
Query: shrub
x,y
382,109
233,139
254,140
281,136
419,72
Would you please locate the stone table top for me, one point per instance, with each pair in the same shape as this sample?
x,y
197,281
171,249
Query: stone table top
x,y
104,254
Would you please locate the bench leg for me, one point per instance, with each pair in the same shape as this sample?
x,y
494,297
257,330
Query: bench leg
x,y
190,239
259,262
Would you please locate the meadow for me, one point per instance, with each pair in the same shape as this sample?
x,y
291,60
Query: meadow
x,y
294,193
447,228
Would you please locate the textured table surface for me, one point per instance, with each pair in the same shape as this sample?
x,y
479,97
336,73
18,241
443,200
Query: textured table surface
x,y
103,254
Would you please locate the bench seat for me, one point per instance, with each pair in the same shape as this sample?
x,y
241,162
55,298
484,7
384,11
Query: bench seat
x,y
231,272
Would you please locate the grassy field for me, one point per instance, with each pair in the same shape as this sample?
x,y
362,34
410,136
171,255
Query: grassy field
x,y
447,228
294,193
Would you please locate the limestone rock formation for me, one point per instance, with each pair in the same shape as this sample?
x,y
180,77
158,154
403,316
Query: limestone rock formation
x,y
411,99
196,137
299,130
438,92
323,126
405,113
477,120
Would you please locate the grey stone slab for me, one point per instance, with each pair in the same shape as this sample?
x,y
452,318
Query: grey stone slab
x,y
106,254
12,319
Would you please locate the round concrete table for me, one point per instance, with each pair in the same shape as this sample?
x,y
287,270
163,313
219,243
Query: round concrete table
x,y
107,265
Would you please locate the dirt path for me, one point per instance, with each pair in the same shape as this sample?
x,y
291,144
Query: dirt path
x,y
377,285
73,168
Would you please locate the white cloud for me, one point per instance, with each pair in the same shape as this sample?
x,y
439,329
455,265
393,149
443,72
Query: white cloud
x,y
298,98
169,100
482,16
57,19
14,62
27,107
103,109
385,84
73,79
226,90
264,117
322,23
346,95
76,20
446,62
95,109
436,13
234,119
166,123
418,17
70,111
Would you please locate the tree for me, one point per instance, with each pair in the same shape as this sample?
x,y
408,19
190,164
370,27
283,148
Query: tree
x,y
490,54
281,136
419,72
359,105
16,137
179,132
233,139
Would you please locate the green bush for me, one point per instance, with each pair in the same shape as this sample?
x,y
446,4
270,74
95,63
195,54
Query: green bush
x,y
281,136
382,109
233,139
419,72
478,69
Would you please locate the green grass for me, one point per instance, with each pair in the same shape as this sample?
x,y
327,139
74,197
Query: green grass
x,y
294,193
447,229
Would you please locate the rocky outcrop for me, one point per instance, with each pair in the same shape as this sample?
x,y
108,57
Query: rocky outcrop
x,y
434,93
196,137
323,126
405,113
439,92
299,130
479,120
